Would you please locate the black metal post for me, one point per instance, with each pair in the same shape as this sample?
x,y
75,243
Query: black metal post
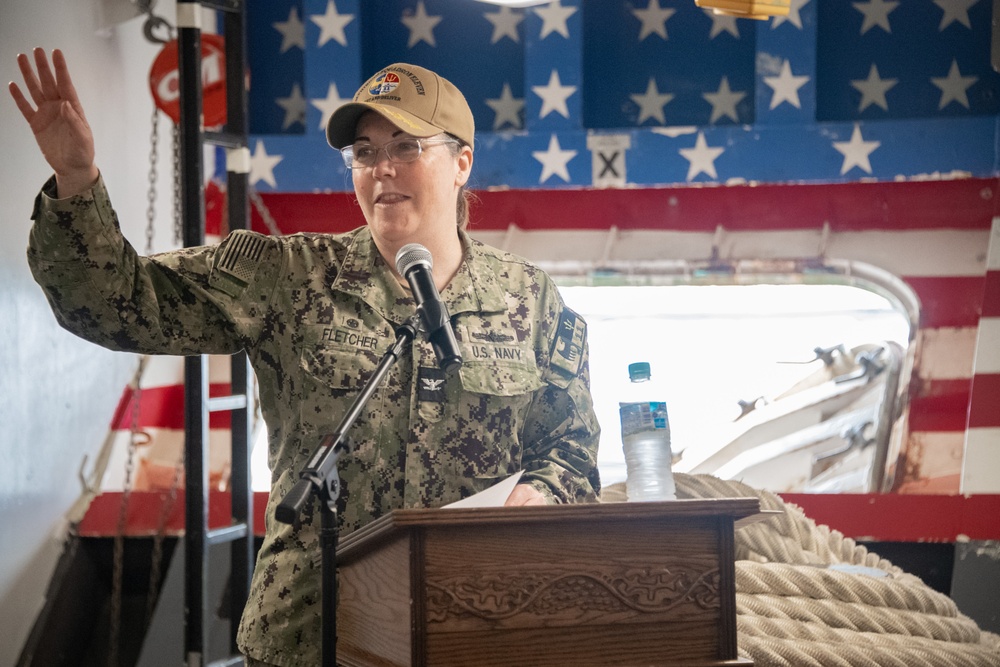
x,y
192,207
242,552
329,532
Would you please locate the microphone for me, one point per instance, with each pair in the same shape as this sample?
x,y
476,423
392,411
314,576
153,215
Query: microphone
x,y
413,261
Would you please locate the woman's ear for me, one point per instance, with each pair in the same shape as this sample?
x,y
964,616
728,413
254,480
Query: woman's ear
x,y
464,166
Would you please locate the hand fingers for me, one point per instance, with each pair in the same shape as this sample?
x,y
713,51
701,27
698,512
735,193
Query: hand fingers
x,y
45,77
30,80
22,103
64,82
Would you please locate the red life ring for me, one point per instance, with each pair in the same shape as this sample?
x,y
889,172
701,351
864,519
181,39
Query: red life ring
x,y
164,80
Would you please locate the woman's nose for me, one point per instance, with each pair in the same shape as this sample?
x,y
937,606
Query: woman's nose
x,y
383,165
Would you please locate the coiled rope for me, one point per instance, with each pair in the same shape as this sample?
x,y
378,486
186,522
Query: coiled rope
x,y
807,596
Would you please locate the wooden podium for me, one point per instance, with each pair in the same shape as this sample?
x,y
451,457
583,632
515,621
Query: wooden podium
x,y
563,585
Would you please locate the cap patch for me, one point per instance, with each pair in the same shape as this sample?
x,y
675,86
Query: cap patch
x,y
384,84
413,78
414,99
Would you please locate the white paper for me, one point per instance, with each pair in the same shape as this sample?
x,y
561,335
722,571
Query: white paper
x,y
495,496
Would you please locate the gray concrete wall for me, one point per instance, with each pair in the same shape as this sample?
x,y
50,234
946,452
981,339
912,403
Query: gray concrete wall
x,y
58,393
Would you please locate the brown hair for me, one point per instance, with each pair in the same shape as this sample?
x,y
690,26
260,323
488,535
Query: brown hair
x,y
465,195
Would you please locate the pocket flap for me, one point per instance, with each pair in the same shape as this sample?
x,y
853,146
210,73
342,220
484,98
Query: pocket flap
x,y
498,379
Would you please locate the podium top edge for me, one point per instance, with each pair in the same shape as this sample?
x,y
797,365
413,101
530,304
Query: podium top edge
x,y
700,508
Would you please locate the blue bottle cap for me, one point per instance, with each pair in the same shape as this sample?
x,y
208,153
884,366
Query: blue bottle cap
x,y
639,371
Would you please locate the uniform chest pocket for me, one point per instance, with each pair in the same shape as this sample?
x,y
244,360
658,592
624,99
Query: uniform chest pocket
x,y
332,379
490,413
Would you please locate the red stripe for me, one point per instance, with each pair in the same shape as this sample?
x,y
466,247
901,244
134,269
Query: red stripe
x,y
984,409
123,411
948,301
330,213
885,517
904,518
991,292
939,405
163,407
215,206
143,514
905,205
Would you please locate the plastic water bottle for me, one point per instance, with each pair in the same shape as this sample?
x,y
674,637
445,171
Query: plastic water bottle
x,y
646,440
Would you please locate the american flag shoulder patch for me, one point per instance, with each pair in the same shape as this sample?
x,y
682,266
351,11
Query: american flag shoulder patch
x,y
242,255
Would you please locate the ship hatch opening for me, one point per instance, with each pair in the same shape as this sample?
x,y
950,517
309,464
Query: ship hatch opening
x,y
786,387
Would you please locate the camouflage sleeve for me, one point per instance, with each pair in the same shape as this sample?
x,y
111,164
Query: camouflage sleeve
x,y
562,432
180,302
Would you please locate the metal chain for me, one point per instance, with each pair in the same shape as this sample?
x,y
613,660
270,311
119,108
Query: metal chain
x,y
118,564
154,156
152,23
154,572
178,228
119,546
152,593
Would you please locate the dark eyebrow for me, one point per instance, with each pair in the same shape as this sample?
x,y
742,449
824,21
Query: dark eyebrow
x,y
368,139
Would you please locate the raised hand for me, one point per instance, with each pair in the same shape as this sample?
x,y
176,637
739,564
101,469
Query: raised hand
x,y
57,120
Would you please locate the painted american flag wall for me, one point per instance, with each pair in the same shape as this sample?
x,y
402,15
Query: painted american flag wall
x,y
873,119
648,92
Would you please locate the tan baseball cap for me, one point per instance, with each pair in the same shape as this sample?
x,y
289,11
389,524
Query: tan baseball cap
x,y
414,99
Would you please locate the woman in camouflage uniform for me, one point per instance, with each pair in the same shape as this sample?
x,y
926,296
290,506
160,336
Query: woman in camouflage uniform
x,y
316,312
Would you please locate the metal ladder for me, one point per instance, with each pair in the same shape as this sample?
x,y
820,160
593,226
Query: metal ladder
x,y
197,403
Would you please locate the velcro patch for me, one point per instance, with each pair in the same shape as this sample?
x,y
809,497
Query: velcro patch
x,y
430,384
242,255
567,349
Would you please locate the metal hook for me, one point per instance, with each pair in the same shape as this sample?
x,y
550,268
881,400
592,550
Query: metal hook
x,y
154,22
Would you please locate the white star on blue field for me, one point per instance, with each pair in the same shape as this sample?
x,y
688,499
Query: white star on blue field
x,y
836,90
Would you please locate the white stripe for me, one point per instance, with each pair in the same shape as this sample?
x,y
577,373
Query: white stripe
x,y
165,449
163,371
915,253
219,368
993,263
940,453
166,370
981,468
988,346
945,354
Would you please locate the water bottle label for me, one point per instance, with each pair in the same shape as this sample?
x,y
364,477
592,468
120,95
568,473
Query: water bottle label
x,y
644,416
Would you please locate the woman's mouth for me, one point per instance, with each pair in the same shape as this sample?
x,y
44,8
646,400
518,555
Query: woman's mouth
x,y
389,198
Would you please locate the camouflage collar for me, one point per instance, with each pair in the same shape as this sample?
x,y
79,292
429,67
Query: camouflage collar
x,y
365,275
475,287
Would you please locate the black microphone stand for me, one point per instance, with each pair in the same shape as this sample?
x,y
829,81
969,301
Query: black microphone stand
x,y
320,478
